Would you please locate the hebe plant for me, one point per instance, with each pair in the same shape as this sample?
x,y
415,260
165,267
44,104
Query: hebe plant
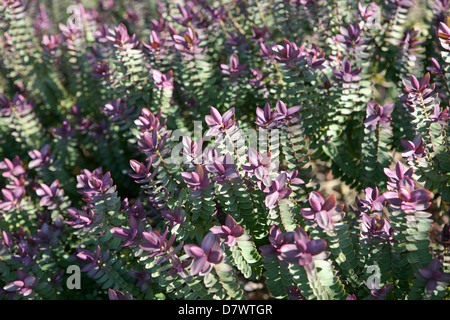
x,y
170,148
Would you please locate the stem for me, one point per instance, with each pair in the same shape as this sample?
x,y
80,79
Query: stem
x,y
165,167
261,13
314,283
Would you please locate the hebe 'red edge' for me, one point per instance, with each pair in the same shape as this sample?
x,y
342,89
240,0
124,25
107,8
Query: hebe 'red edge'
x,y
174,150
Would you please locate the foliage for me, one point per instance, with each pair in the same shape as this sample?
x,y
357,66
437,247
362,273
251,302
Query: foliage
x,y
168,149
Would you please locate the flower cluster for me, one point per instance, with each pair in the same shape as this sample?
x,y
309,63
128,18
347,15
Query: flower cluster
x,y
324,212
404,195
294,246
377,114
192,149
204,257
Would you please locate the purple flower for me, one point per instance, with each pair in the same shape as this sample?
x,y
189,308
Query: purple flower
x,y
221,167
117,110
6,240
266,52
40,157
371,202
277,239
50,43
25,253
230,231
94,260
83,177
65,131
346,74
142,172
284,113
324,212
259,34
42,22
303,249
397,175
445,235
418,93
24,284
131,235
196,180
218,123
162,80
380,294
378,114
18,103
100,184
407,199
258,78
265,118
367,11
314,56
433,274
187,17
413,148
436,69
12,168
80,218
217,12
101,70
414,87
205,256
259,165
286,52
440,116
118,295
120,38
157,244
443,33
233,70
192,150
131,16
152,143
350,38
50,196
174,216
179,267
275,189
12,198
147,121
143,278
48,234
237,40
155,44
188,42
158,25
410,41
376,228
441,7
94,184
292,178
70,31
136,210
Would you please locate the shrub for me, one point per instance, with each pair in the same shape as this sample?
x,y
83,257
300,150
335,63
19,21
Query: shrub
x,y
171,150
